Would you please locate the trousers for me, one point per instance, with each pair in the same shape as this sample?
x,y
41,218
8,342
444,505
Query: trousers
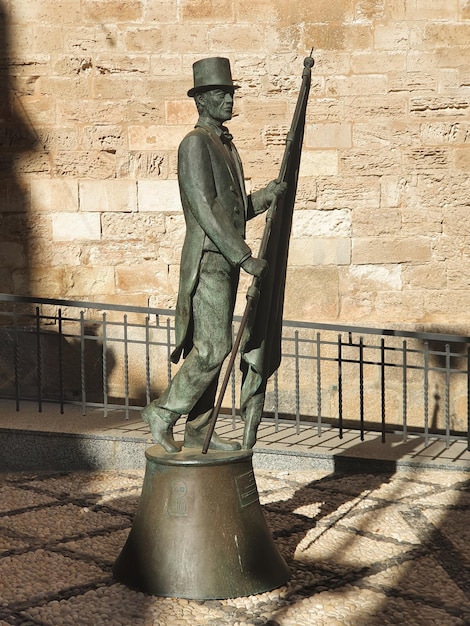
x,y
193,389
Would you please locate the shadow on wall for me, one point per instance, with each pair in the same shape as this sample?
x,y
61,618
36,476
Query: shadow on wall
x,y
52,355
16,139
51,367
449,361
458,350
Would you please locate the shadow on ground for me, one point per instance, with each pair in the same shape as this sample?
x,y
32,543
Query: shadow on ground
x,y
367,548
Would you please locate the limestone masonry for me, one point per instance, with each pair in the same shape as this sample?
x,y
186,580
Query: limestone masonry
x,y
94,106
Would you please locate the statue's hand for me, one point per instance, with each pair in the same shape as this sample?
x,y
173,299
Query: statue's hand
x,y
274,190
255,267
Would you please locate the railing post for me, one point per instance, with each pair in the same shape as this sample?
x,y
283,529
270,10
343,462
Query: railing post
x,y
468,398
126,368
426,393
297,382
233,379
405,393
105,365
39,359
17,359
340,387
82,361
382,385
168,347
319,407
447,399
361,386
276,401
61,361
147,359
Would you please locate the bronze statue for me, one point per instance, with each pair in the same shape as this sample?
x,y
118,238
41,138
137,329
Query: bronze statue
x,y
216,207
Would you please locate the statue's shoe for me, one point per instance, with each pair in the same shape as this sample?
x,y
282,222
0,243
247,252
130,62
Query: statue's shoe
x,y
161,422
195,439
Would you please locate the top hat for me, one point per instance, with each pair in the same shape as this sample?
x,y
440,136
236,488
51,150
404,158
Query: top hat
x,y
211,73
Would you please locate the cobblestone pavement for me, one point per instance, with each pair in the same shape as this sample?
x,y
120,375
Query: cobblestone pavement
x,y
363,550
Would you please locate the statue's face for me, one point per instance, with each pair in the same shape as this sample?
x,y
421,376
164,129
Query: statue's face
x,y
217,103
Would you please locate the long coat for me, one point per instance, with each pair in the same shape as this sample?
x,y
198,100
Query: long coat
x,y
216,208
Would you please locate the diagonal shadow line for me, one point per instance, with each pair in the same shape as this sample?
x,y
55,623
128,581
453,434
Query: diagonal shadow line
x,y
358,577
440,548
338,518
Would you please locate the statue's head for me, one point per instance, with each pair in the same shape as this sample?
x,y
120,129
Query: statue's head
x,y
213,89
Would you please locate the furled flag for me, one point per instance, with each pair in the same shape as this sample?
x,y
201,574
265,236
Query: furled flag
x,y
261,339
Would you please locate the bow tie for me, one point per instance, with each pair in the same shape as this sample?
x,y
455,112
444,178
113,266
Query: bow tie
x,y
226,137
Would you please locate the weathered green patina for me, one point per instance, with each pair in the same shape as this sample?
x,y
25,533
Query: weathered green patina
x,y
216,208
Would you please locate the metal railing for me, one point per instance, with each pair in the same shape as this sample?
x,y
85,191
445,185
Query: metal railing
x,y
118,357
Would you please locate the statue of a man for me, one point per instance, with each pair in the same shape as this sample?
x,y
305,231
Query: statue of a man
x,y
216,207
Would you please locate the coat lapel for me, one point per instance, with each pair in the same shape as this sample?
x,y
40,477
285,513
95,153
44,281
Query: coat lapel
x,y
230,156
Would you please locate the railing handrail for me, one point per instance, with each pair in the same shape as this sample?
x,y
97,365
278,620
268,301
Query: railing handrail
x,y
347,328
6,297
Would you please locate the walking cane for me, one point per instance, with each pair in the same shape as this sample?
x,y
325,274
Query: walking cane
x,y
253,291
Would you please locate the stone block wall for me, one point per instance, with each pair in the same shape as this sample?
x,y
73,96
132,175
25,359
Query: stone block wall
x,y
94,105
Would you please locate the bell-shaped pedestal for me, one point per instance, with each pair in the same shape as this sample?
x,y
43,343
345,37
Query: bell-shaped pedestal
x,y
199,530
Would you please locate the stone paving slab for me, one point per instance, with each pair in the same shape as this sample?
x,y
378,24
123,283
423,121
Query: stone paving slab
x,y
365,549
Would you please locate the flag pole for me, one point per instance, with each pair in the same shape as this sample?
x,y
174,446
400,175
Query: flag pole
x,y
253,291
